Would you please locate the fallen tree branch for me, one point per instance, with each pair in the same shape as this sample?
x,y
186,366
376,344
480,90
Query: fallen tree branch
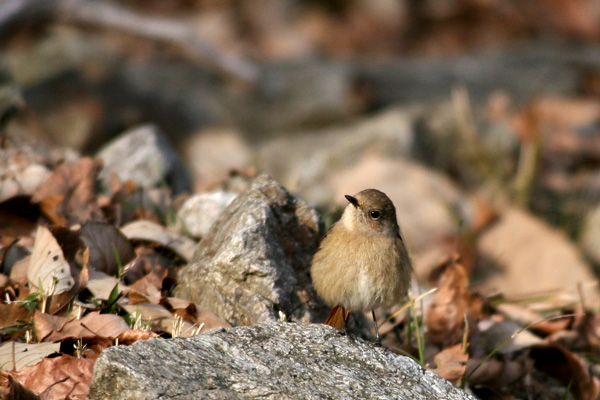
x,y
105,15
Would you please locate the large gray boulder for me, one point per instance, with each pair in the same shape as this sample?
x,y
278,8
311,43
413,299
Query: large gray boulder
x,y
264,361
253,266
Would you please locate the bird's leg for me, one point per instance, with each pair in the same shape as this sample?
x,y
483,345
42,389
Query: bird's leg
x,y
377,337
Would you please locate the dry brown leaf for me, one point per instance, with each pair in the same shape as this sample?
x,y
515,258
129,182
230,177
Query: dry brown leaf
x,y
16,356
149,287
48,265
101,284
49,207
13,313
445,316
133,335
43,378
58,302
155,233
192,312
536,261
76,184
209,319
16,391
568,368
185,309
451,363
175,302
104,240
523,316
93,324
136,297
95,346
45,324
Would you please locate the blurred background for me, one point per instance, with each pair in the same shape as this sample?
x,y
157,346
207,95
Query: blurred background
x,y
480,118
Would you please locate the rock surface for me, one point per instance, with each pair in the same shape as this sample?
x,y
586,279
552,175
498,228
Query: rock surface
x,y
145,156
200,211
264,361
253,266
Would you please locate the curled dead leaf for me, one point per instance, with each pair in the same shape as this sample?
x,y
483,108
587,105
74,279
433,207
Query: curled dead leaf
x,y
101,284
69,192
155,233
568,368
189,311
58,302
451,363
445,316
13,313
149,286
45,324
109,248
58,377
133,335
48,265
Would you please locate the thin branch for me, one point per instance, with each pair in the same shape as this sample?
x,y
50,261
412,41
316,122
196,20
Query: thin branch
x,y
110,16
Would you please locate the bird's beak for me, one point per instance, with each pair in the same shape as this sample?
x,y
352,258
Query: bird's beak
x,y
352,200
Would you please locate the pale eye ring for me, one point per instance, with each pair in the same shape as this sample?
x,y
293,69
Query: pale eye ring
x,y
375,214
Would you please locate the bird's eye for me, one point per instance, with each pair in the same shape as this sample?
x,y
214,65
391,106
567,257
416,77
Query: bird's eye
x,y
375,214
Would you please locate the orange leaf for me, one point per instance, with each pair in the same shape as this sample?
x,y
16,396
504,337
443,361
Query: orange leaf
x,y
451,363
12,313
445,315
76,184
133,335
45,378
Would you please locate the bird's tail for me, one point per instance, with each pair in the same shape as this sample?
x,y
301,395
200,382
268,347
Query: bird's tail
x,y
338,317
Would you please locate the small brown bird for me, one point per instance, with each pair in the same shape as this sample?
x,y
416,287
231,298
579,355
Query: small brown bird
x,y
362,263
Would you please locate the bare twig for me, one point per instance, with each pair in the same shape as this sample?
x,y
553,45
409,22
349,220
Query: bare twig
x,y
106,15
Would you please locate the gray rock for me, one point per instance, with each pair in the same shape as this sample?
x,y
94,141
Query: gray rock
x,y
264,361
199,212
144,155
253,266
